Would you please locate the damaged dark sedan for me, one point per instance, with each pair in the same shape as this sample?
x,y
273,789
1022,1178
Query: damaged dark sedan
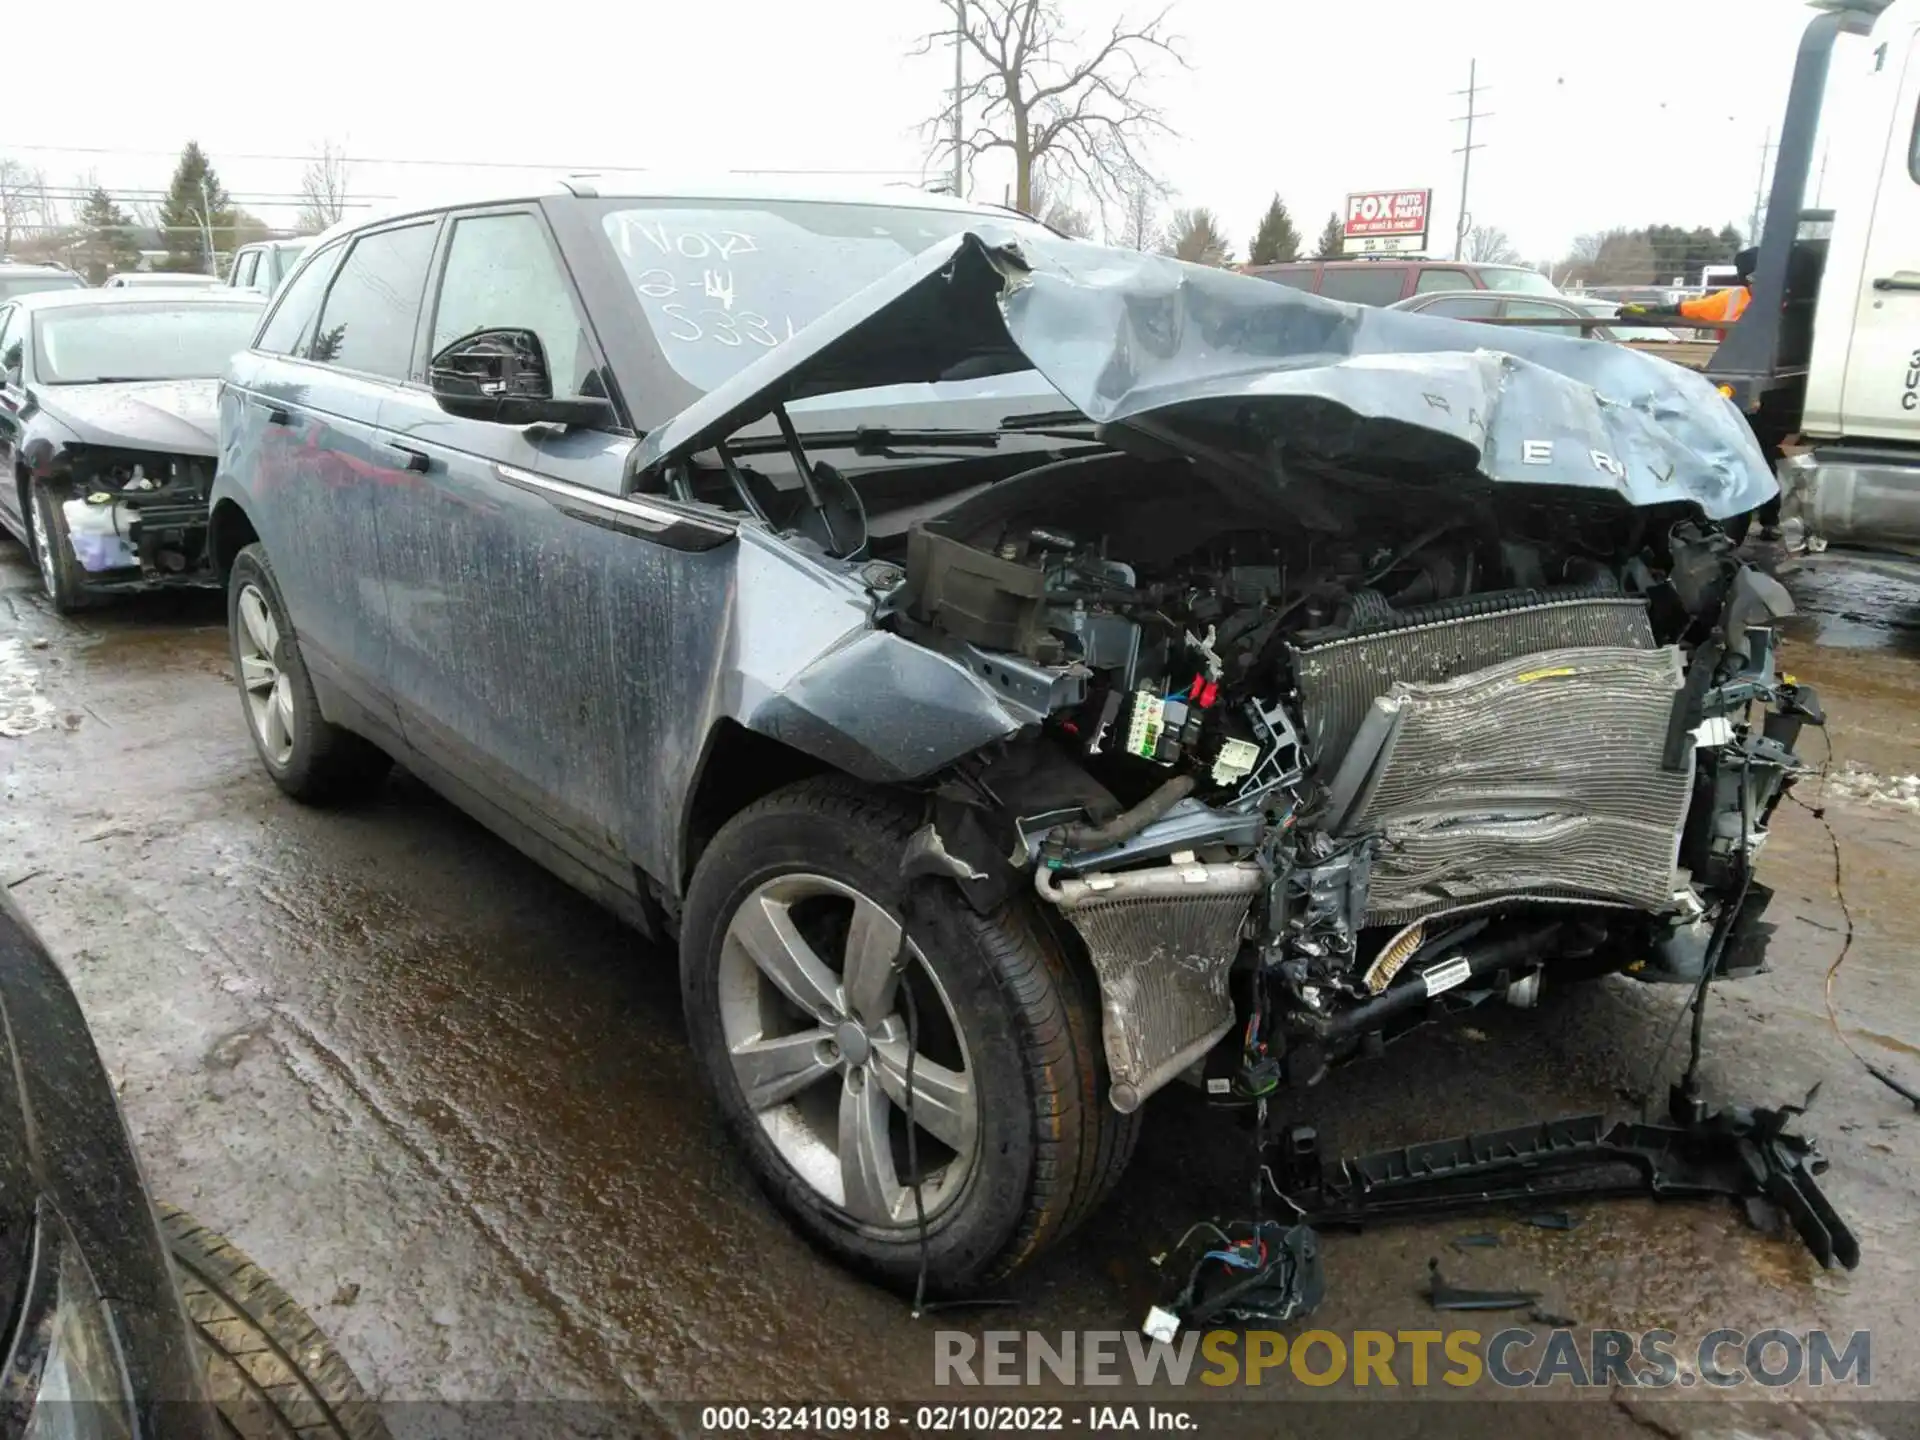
x,y
1021,674
107,432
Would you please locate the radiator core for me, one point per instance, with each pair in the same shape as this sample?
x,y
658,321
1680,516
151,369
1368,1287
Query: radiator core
x,y
1539,775
1339,679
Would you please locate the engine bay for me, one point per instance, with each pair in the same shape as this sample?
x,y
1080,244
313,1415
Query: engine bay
x,y
1300,783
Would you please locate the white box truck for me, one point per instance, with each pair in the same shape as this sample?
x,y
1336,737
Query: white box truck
x,y
1826,361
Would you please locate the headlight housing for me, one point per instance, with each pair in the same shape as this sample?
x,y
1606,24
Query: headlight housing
x,y
65,1377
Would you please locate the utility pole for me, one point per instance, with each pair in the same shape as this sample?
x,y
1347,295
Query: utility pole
x,y
1759,190
206,220
959,38
1465,152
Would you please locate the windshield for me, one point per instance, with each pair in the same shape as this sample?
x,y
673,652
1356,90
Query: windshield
x,y
13,285
1519,282
147,342
722,283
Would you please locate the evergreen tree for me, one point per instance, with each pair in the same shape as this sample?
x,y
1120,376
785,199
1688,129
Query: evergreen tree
x,y
1277,240
195,203
1333,239
106,238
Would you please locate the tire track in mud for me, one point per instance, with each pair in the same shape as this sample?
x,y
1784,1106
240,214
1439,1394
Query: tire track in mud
x,y
335,1082
336,1086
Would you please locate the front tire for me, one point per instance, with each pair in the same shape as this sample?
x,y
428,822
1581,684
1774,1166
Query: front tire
x,y
800,1020
269,1369
308,756
60,572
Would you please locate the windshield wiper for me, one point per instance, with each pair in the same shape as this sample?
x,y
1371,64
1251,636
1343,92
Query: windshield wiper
x,y
1047,421
871,440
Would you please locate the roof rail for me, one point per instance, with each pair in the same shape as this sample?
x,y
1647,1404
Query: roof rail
x,y
1857,7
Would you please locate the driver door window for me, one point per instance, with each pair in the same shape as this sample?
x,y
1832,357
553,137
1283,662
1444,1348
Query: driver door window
x,y
502,274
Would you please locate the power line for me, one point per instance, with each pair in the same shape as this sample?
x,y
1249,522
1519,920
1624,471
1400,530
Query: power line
x,y
568,167
139,196
225,156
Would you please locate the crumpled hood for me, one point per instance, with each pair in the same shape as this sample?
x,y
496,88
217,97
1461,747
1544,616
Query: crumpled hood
x,y
179,417
1247,377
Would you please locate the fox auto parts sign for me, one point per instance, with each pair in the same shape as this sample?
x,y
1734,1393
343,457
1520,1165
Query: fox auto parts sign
x,y
1387,222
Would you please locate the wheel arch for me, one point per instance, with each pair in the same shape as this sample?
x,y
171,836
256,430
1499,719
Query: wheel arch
x,y
737,767
229,531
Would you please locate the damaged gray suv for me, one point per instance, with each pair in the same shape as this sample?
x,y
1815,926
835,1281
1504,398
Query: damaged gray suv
x,y
1020,675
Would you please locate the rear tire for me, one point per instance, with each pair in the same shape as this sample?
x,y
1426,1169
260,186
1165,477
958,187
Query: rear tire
x,y
999,1006
308,756
60,573
269,1369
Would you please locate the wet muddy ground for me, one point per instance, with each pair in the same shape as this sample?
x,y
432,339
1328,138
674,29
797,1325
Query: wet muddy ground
x,y
446,1102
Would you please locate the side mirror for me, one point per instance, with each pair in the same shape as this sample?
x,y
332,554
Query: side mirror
x,y
500,376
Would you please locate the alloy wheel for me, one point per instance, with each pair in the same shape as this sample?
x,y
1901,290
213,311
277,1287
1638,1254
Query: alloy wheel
x,y
813,1008
269,693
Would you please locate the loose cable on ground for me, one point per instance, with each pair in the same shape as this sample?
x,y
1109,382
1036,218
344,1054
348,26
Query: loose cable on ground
x,y
1819,812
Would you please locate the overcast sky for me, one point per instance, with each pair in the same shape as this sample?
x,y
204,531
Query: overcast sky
x,y
1625,113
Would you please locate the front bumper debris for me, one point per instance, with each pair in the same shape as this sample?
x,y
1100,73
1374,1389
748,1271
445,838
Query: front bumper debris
x,y
1266,1271
1746,1155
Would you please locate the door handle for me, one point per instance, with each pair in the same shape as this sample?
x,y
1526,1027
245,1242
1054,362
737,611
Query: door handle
x,y
276,414
410,459
1896,282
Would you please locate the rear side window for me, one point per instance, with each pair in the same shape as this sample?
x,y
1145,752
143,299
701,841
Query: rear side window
x,y
1464,307
243,268
1364,284
1299,279
501,274
367,322
1432,280
290,328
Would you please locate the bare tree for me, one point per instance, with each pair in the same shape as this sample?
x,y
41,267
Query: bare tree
x,y
1059,211
1052,103
1610,257
1586,248
1196,235
1140,200
1069,220
323,189
23,198
1490,246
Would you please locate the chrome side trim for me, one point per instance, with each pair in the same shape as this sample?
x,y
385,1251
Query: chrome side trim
x,y
642,518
